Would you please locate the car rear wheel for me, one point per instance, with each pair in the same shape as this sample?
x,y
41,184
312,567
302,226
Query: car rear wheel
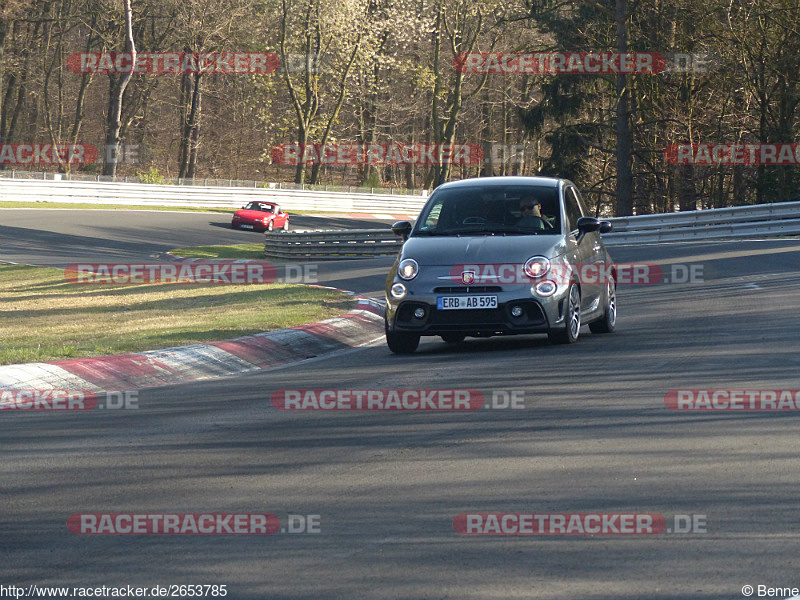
x,y
568,333
453,338
401,343
609,320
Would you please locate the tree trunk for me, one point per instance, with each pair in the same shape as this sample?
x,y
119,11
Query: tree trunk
x,y
687,198
191,97
117,91
624,166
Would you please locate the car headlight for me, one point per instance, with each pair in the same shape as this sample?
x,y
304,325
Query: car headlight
x,y
407,269
536,266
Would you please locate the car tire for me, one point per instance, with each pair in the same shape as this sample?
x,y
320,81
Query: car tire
x,y
400,343
453,338
609,320
270,226
286,225
569,332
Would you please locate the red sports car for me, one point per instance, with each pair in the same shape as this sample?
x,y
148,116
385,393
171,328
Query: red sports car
x,y
261,216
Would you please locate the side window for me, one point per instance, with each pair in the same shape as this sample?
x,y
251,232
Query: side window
x,y
572,208
581,203
432,218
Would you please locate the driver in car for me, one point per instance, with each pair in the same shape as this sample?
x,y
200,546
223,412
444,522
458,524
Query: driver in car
x,y
532,218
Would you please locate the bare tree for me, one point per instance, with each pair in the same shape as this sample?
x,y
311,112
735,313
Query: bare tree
x,y
117,86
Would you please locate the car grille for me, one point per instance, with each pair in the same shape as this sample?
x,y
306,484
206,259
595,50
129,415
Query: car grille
x,y
489,319
466,317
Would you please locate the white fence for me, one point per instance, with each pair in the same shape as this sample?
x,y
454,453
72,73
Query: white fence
x,y
142,194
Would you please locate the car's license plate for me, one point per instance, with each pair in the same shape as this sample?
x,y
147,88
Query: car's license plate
x,y
246,226
465,302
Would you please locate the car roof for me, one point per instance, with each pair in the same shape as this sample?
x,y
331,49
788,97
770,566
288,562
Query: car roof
x,y
549,182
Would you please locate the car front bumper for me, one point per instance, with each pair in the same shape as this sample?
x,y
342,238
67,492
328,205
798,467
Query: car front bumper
x,y
538,314
247,224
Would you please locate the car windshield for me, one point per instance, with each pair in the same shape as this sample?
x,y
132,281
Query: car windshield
x,y
491,210
259,206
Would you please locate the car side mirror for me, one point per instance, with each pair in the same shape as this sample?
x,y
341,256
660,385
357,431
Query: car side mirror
x,y
606,227
402,229
588,224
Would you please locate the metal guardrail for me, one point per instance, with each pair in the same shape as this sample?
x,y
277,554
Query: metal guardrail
x,y
724,223
350,243
142,194
763,220
760,220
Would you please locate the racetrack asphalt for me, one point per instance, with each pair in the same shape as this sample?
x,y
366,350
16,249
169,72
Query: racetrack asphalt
x,y
593,435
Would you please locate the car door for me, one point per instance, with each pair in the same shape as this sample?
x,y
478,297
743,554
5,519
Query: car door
x,y
280,216
584,249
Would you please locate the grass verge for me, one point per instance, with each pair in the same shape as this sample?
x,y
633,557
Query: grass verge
x,y
252,251
46,318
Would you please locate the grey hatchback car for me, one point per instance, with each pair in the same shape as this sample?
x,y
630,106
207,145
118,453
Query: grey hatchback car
x,y
500,256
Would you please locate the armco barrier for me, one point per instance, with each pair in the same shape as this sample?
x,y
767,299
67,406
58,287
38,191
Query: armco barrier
x,y
763,220
759,220
351,243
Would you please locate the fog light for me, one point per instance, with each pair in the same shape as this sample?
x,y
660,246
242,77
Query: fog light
x,y
516,311
419,313
398,291
546,288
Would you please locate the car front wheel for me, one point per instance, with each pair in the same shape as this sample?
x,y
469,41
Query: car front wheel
x,y
609,320
401,343
286,225
568,333
270,226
